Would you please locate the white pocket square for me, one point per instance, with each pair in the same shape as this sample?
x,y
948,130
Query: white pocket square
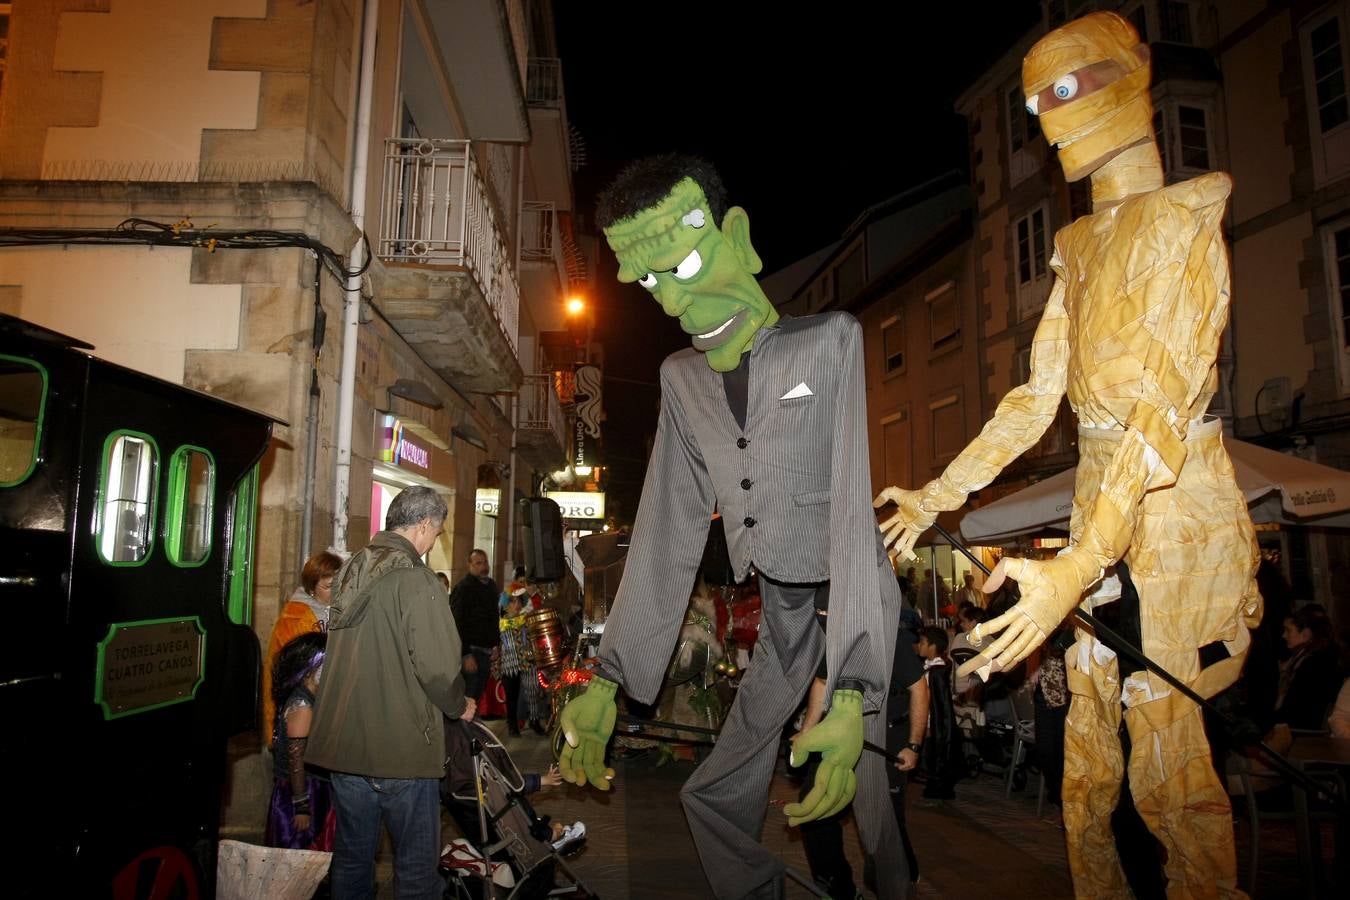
x,y
801,390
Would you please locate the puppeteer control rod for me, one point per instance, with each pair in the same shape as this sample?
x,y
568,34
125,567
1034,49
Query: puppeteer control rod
x,y
695,729
1136,656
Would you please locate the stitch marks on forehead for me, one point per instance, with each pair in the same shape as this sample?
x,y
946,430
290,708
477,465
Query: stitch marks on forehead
x,y
638,240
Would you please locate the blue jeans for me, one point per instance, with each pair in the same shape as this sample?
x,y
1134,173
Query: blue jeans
x,y
411,809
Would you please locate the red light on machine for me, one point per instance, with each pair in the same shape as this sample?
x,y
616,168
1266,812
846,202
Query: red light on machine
x,y
576,676
568,678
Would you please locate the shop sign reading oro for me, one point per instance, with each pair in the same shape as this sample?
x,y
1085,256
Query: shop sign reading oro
x,y
579,504
148,664
487,501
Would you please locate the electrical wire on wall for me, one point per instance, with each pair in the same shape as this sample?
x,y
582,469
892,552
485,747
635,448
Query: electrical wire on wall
x,y
183,234
146,232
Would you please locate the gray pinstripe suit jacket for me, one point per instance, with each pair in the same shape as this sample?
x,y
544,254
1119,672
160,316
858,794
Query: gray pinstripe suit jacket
x,y
793,488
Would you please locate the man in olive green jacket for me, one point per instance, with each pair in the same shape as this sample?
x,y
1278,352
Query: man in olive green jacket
x,y
392,670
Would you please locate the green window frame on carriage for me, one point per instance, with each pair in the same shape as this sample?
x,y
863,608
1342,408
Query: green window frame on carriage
x,y
243,516
128,491
191,502
23,403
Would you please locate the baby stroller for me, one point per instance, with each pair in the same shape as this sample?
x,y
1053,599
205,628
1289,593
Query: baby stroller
x,y
508,850
980,743
994,743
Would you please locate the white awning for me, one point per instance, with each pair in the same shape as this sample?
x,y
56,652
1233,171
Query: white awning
x,y
1278,488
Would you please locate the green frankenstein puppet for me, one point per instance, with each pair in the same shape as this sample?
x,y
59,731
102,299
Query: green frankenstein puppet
x,y
763,420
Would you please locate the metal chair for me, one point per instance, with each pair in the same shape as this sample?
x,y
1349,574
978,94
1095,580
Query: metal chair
x,y
1306,821
1024,736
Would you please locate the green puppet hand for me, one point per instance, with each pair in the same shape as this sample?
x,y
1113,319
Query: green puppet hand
x,y
587,723
839,741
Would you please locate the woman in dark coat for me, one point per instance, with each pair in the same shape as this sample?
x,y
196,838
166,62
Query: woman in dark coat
x,y
1310,679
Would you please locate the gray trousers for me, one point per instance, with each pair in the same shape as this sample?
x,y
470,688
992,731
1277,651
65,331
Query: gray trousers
x,y
726,797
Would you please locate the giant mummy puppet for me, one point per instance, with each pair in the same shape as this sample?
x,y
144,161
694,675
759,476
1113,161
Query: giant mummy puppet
x,y
1130,331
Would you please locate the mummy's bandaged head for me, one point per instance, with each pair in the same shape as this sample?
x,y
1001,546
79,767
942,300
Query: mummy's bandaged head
x,y
1088,83
661,219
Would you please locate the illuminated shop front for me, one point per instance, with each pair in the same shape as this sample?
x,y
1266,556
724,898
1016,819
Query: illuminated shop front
x,y
487,502
407,458
580,509
949,566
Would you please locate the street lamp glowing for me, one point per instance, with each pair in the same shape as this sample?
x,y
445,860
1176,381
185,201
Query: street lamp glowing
x,y
575,306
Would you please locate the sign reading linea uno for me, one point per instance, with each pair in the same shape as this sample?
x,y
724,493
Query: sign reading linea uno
x,y
579,504
586,428
149,664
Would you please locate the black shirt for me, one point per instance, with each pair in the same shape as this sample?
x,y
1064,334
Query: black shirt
x,y
736,383
474,605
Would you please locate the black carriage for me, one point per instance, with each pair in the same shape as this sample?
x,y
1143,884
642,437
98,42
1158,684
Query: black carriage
x,y
127,656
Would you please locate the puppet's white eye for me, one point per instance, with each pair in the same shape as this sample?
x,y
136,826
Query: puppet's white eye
x,y
688,266
648,281
1033,102
1066,87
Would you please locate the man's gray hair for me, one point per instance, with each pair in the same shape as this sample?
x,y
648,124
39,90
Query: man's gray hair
x,y
412,505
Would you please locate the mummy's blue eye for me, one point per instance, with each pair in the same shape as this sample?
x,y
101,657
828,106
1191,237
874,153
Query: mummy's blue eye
x,y
1066,87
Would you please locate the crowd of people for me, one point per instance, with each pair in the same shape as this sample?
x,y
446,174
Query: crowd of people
x,y
972,721
1295,681
403,657
402,661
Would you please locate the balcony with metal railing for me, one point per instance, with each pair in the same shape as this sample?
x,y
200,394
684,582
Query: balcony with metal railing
x,y
447,281
541,434
543,270
543,82
550,151
540,236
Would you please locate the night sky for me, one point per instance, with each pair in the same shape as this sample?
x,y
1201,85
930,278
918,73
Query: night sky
x,y
810,121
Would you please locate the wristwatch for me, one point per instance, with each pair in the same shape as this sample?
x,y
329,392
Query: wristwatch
x,y
910,745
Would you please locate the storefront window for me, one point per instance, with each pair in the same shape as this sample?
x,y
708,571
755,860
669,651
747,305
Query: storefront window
x,y
485,534
410,454
939,576
485,513
382,493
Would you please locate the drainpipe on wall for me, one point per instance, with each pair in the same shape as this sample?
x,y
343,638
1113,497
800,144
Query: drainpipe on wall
x,y
509,501
312,418
356,260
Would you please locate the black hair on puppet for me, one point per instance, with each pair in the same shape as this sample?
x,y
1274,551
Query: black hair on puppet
x,y
646,182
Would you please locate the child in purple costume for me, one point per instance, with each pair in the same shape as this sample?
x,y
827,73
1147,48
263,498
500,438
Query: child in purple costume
x,y
301,815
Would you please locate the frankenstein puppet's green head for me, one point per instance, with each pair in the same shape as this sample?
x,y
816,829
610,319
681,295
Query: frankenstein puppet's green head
x,y
667,222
